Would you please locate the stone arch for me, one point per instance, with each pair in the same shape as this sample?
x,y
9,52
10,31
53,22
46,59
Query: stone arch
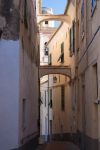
x,y
46,70
62,18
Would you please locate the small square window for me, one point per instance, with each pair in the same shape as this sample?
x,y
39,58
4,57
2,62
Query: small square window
x,y
46,22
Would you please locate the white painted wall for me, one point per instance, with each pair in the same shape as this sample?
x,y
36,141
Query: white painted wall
x,y
43,58
45,35
9,94
43,108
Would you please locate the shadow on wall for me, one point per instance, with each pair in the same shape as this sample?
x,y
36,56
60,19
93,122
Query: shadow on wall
x,y
9,20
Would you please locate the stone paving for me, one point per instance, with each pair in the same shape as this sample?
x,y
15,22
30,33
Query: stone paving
x,y
58,146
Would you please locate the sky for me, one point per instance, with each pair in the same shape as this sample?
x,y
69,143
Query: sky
x,y
58,6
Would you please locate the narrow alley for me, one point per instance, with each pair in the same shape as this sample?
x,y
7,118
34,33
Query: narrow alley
x,y
49,75
58,146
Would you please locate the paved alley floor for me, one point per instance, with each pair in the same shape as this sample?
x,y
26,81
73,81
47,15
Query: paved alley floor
x,y
58,146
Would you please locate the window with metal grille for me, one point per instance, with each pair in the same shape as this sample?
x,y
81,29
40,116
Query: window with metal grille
x,y
46,22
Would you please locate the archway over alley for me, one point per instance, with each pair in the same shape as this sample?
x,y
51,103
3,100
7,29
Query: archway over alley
x,y
46,17
45,70
55,107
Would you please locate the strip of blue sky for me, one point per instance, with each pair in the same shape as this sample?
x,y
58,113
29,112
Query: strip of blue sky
x,y
58,7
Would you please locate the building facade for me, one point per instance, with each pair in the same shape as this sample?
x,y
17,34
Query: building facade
x,y
19,88
46,30
29,80
64,124
9,74
82,55
87,67
9,20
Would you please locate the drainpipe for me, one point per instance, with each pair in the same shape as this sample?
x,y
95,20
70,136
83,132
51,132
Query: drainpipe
x,y
48,95
48,108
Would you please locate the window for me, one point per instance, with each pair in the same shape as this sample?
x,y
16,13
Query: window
x,y
50,59
77,35
93,5
25,14
1,33
50,98
82,10
45,49
46,22
41,98
61,57
24,113
95,81
72,39
54,79
62,52
45,98
82,20
62,98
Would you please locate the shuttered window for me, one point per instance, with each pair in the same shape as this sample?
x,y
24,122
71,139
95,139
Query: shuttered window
x,y
93,5
25,14
61,57
50,59
72,39
50,98
62,98
45,98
